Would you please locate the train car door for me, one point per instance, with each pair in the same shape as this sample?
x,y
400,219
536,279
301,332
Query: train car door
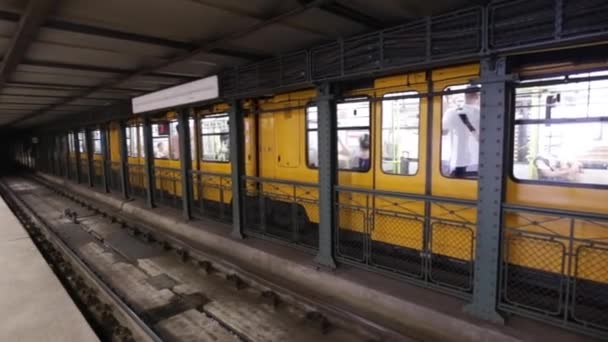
x,y
455,151
399,154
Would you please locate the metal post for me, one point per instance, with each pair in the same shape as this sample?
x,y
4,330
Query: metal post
x,y
186,161
237,159
326,107
491,189
66,155
77,155
87,141
149,162
124,160
105,149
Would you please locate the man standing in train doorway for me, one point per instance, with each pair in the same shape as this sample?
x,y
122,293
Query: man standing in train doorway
x,y
462,121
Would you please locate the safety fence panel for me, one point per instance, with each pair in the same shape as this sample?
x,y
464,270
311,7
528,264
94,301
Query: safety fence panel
x,y
555,267
98,172
168,186
425,239
114,179
282,210
72,170
84,170
211,195
136,185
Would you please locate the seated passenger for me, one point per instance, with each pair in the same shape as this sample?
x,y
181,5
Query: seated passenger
x,y
161,151
552,169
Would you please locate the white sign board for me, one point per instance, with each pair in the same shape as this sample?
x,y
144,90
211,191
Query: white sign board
x,y
196,91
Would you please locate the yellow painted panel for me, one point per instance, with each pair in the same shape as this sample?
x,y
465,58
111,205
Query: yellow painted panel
x,y
288,130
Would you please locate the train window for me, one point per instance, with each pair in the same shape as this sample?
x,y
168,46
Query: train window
x,y
400,136
460,131
354,138
312,155
192,131
135,141
561,131
215,138
96,139
174,140
160,140
71,143
82,142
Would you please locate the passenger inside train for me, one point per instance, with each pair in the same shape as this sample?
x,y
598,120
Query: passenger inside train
x,y
461,126
559,135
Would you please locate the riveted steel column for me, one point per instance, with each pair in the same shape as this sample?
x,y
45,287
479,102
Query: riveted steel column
x,y
124,160
237,160
186,161
492,147
77,155
105,149
326,107
90,155
149,162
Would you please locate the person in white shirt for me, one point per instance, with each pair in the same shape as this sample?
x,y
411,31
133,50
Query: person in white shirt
x,y
462,123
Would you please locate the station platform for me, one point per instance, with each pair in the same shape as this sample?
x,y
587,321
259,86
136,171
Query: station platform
x,y
34,306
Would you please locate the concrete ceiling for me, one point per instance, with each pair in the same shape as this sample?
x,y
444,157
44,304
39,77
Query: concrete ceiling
x,y
62,57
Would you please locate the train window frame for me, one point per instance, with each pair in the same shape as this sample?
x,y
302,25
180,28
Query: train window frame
x,y
139,146
97,138
387,97
445,92
71,143
351,99
82,143
573,77
158,137
202,135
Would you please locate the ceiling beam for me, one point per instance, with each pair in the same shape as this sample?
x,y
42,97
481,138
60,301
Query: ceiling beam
x,y
29,24
96,68
351,14
204,47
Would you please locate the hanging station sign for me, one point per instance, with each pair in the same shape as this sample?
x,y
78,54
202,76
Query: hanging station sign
x,y
196,91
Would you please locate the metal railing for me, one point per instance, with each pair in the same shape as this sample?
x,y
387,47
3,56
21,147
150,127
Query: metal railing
x,y
555,267
211,195
283,210
426,239
98,172
114,178
168,186
136,185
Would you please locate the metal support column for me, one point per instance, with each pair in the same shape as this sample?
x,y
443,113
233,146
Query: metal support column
x,y
149,162
186,161
65,142
124,160
492,147
237,159
77,155
105,153
90,165
326,107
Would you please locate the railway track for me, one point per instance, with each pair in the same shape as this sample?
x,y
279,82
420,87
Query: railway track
x,y
136,284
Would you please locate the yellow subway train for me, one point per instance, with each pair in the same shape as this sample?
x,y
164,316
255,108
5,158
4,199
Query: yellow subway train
x,y
406,200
